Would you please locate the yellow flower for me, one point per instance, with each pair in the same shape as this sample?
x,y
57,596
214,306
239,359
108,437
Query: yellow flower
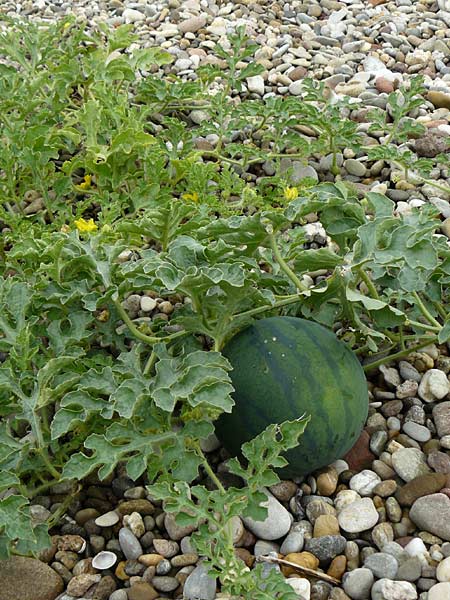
x,y
290,193
65,229
86,183
193,197
85,226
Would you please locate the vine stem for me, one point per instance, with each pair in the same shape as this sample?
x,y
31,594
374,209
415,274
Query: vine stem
x,y
211,473
46,459
254,311
400,354
426,313
369,283
283,264
150,363
138,334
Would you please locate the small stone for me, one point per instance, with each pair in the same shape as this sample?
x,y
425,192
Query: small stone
x,y
364,482
326,525
410,570
439,462
264,547
132,16
135,523
199,585
148,304
360,457
382,565
440,591
443,570
326,547
358,516
420,486
284,490
385,488
417,432
357,583
434,385
166,548
385,589
382,534
430,145
183,560
141,506
439,99
142,590
275,525
416,547
255,84
108,519
303,559
409,463
28,579
150,560
327,481
355,167
165,583
80,584
293,542
193,24
129,544
119,595
301,586
432,513
337,567
441,417
175,531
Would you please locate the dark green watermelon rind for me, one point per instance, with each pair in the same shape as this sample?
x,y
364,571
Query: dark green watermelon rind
x,y
335,424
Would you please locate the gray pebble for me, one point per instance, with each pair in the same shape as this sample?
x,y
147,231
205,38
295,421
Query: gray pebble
x,y
129,544
382,565
357,583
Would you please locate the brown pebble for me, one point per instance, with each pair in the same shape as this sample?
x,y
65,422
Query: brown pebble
x,y
86,514
337,566
384,85
80,584
423,485
141,506
166,548
245,555
385,488
327,481
73,543
183,560
84,566
104,588
303,559
298,73
360,457
142,591
326,525
68,559
120,571
284,490
150,560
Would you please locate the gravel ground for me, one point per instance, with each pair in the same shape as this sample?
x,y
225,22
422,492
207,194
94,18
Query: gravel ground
x,y
378,521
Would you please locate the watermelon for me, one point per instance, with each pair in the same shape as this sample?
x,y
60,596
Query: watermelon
x,y
284,367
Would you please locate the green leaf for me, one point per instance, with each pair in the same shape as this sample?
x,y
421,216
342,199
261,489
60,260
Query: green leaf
x,y
199,377
444,334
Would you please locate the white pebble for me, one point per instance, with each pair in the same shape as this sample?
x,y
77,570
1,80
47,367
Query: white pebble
x,y
443,570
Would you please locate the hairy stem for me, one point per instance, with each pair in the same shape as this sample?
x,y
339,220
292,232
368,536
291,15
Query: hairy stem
x,y
369,283
400,354
138,334
284,266
426,313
